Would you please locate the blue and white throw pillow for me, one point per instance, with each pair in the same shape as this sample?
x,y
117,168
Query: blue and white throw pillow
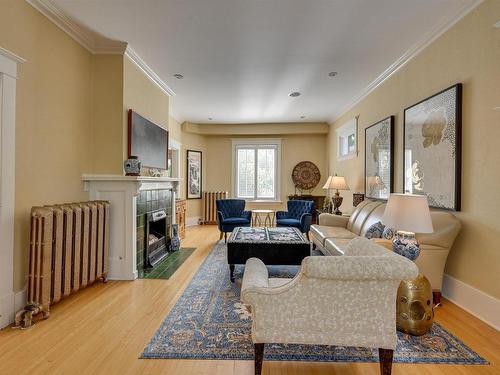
x,y
388,233
375,231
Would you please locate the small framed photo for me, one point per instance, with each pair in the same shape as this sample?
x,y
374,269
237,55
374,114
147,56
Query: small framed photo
x,y
194,174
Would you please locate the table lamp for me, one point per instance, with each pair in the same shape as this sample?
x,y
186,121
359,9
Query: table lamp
x,y
338,183
407,214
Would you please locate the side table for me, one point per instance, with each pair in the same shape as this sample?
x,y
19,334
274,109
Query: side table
x,y
262,218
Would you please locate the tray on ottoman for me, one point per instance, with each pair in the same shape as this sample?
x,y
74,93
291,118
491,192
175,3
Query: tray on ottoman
x,y
274,246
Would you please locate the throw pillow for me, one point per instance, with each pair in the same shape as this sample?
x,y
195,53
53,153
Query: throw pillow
x,y
388,233
375,231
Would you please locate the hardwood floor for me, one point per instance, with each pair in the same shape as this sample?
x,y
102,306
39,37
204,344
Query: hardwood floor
x,y
103,330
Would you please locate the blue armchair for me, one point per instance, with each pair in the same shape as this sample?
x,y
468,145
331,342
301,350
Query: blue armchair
x,y
299,215
231,214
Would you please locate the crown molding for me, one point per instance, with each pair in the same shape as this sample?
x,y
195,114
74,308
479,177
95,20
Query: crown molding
x,y
410,54
95,42
150,73
11,56
90,40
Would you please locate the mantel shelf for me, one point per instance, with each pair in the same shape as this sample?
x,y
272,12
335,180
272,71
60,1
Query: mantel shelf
x,y
116,177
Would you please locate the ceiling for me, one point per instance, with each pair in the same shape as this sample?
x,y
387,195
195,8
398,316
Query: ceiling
x,y
241,58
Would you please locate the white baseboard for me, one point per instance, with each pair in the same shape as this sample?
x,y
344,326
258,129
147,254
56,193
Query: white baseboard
x,y
7,310
472,300
20,300
10,304
193,220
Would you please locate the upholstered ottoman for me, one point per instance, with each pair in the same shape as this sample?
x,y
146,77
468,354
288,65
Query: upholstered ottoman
x,y
274,246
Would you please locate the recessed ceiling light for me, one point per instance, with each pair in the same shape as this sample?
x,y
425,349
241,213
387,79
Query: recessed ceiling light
x,y
332,74
178,76
210,118
302,116
294,94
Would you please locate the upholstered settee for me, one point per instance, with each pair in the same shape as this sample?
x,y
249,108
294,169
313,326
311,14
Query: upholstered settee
x,y
346,301
333,233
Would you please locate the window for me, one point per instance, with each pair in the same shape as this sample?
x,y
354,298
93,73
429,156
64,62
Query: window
x,y
347,140
256,169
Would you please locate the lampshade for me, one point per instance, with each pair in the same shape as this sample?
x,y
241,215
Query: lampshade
x,y
409,213
336,182
375,182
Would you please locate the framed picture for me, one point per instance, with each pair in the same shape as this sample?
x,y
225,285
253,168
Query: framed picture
x,y
432,148
347,140
379,159
194,171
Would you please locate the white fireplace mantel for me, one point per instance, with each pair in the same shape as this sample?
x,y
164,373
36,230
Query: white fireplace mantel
x,y
121,192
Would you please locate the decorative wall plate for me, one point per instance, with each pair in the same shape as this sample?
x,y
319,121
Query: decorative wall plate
x,y
306,175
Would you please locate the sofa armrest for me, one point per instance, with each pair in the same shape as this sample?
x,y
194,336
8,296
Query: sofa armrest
x,y
331,220
255,277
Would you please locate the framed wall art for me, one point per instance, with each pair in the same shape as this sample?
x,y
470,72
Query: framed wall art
x,y
379,159
432,148
194,174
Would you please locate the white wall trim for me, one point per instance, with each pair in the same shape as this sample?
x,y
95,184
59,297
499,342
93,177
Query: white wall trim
x,y
95,42
472,300
20,300
8,74
141,64
192,221
411,53
90,40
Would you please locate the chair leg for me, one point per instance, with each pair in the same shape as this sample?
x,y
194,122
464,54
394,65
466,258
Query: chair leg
x,y
259,357
221,235
436,296
307,235
225,237
385,358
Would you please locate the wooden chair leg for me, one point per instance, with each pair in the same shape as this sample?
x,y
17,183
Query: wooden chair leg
x,y
307,235
259,357
385,358
221,235
436,296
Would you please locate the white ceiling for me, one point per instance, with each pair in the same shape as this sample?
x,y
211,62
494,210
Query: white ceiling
x,y
241,58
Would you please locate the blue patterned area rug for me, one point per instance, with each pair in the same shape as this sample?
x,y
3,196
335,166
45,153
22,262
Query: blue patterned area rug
x,y
209,322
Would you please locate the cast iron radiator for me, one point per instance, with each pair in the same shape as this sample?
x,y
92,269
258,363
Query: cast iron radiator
x,y
69,245
209,207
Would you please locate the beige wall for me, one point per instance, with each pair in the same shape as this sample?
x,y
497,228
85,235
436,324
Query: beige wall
x,y
52,117
107,114
144,97
469,53
189,141
294,148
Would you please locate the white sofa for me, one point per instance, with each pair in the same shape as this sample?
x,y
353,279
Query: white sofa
x,y
333,233
347,301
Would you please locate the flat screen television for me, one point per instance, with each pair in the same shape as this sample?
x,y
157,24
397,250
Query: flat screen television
x,y
148,141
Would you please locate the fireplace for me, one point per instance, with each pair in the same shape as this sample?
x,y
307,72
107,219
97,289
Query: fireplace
x,y
132,199
154,222
157,238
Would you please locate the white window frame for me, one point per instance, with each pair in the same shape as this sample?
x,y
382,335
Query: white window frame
x,y
276,142
175,146
349,128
